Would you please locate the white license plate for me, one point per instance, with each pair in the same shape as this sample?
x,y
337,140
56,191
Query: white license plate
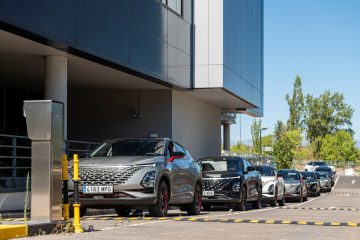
x,y
98,189
208,193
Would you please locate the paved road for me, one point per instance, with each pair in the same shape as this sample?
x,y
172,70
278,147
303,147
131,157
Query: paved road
x,y
340,208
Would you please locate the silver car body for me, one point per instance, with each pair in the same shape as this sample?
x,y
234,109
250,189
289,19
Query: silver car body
x,y
271,185
126,175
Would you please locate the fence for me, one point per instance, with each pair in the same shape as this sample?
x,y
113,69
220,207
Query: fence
x,y
15,159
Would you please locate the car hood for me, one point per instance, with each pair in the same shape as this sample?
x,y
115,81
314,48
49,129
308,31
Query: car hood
x,y
217,174
120,161
289,181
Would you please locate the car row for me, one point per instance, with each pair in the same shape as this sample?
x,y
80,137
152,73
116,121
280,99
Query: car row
x,y
156,173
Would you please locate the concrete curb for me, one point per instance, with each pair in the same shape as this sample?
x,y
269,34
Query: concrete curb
x,y
13,231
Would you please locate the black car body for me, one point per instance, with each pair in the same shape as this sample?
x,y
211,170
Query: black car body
x,y
325,181
329,171
295,184
313,183
230,181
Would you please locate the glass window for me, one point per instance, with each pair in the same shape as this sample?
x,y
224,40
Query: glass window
x,y
175,5
220,164
130,147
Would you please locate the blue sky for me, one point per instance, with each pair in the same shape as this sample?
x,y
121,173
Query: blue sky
x,y
318,40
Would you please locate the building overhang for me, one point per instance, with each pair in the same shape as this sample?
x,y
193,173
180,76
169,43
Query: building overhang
x,y
224,99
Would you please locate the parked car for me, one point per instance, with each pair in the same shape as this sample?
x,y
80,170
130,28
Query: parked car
x,y
313,183
325,181
310,167
295,184
273,190
230,181
140,173
329,171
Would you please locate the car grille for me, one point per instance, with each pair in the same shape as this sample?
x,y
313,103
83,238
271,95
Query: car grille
x,y
215,184
105,176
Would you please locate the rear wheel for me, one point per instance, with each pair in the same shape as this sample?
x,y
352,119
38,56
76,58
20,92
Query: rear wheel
x,y
241,206
194,208
160,208
257,204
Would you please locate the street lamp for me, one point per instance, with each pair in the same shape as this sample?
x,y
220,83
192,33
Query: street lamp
x,y
261,129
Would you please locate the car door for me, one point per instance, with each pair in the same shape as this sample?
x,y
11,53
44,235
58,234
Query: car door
x,y
187,174
280,184
176,179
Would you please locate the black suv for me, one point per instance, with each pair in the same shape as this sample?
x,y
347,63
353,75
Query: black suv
x,y
230,181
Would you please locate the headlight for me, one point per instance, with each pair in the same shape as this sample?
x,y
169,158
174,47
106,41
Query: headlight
x,y
236,187
148,180
271,189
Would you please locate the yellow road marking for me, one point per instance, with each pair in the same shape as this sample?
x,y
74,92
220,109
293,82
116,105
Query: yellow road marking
x,y
104,218
319,223
192,219
335,224
352,224
302,222
286,222
148,218
118,218
133,218
270,221
178,218
254,221
238,220
163,218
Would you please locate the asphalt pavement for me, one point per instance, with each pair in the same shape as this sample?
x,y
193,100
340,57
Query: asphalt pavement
x,y
334,215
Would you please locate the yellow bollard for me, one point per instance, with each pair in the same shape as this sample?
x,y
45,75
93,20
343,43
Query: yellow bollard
x,y
65,179
76,205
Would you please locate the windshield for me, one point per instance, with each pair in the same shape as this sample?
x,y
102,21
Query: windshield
x,y
265,171
130,147
290,175
322,175
323,169
319,163
220,165
309,175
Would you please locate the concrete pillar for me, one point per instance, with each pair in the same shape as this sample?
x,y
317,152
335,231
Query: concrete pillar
x,y
226,137
56,82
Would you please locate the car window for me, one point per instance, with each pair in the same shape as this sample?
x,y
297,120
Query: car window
x,y
220,164
290,175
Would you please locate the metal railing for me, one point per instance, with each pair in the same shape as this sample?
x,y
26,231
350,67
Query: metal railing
x,y
15,159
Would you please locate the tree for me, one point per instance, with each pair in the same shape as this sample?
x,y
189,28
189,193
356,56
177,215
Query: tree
x,y
327,114
241,148
339,147
296,106
279,131
255,134
285,148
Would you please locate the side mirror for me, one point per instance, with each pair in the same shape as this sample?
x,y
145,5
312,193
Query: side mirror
x,y
250,169
176,155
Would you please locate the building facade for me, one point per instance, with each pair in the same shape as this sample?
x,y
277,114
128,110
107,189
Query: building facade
x,y
131,68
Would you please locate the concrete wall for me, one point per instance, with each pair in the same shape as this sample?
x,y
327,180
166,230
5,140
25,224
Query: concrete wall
x,y
196,125
96,116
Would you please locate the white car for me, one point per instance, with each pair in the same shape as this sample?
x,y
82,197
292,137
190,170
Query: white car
x,y
273,190
310,166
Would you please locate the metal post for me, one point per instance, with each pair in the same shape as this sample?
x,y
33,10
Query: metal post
x,y
65,179
260,146
76,205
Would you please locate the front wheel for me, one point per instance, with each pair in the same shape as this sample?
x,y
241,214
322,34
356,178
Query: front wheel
x,y
194,208
257,204
283,200
160,208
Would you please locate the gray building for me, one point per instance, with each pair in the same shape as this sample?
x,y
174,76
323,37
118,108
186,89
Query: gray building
x,y
176,68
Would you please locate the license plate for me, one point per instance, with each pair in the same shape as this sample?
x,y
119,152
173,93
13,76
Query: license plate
x,y
98,189
208,193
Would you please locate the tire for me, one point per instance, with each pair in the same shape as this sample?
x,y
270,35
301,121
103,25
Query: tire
x,y
206,207
283,200
82,211
306,197
257,204
161,207
241,206
194,208
274,202
122,212
318,193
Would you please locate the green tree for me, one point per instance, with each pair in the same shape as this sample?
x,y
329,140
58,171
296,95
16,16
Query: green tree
x,y
285,149
267,141
339,147
255,134
280,129
241,148
327,114
296,106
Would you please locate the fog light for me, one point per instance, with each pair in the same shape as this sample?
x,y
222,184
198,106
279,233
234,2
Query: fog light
x,y
236,187
148,180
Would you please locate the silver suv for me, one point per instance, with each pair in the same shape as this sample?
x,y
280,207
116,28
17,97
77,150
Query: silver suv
x,y
140,173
